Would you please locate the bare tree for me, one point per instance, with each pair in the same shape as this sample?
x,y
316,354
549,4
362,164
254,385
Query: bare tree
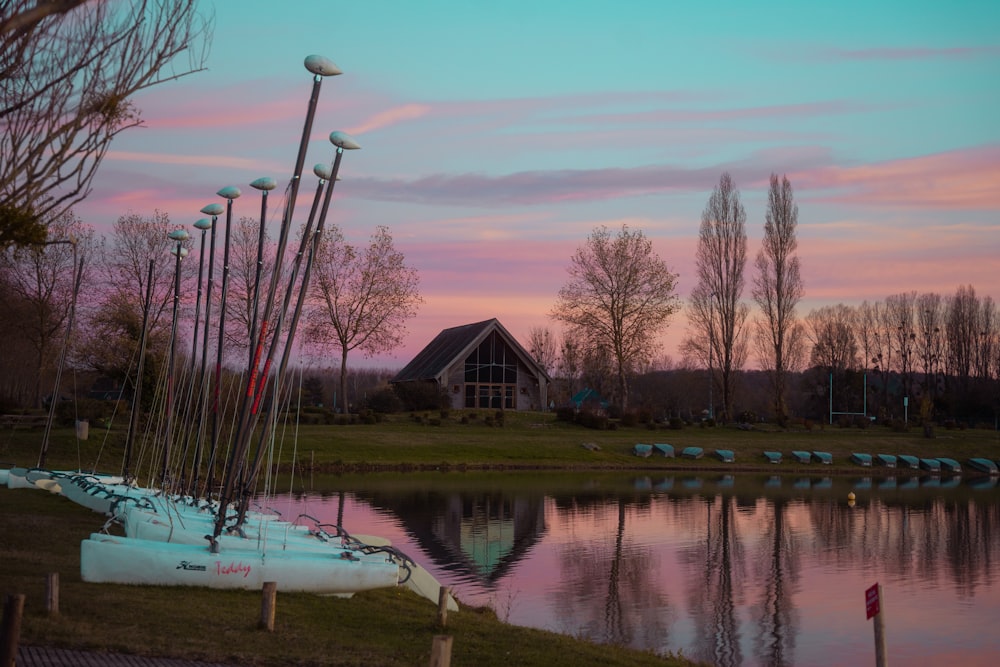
x,y
930,321
900,308
116,316
366,296
831,330
619,297
777,290
243,278
67,72
39,283
717,315
542,345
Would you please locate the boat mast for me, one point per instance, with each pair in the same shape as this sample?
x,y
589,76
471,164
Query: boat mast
x,y
320,67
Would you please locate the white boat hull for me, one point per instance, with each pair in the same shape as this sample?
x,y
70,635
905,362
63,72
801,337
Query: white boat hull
x,y
124,560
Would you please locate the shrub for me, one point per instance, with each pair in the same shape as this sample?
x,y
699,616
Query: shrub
x,y
422,395
629,419
676,423
385,401
499,417
592,420
565,414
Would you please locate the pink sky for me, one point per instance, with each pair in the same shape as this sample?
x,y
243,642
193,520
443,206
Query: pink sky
x,y
490,177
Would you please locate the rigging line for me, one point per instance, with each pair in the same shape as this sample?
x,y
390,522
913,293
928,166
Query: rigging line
x,y
77,279
76,432
241,442
313,245
249,420
295,437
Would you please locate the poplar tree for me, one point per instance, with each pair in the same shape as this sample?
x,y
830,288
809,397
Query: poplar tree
x,y
777,289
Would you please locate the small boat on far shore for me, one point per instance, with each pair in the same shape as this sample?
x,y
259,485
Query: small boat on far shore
x,y
886,460
949,465
642,450
984,466
864,460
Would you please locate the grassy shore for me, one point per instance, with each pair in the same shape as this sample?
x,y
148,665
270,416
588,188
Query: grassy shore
x,y
41,534
467,440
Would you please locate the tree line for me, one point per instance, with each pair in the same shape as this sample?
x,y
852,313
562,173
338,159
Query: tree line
x,y
938,353
359,299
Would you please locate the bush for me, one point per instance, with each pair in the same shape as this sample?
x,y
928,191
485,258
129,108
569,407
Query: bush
x,y
629,419
422,396
385,401
592,420
565,414
499,417
676,423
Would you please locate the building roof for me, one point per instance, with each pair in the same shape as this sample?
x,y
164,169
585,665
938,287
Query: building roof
x,y
457,343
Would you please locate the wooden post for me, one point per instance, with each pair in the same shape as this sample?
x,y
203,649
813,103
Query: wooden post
x,y
13,610
267,604
879,623
443,593
441,651
52,593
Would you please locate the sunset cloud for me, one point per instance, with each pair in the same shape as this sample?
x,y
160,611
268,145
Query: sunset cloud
x,y
219,161
960,179
390,117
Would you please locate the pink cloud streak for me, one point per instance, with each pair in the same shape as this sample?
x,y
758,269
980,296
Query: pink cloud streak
x,y
390,117
960,179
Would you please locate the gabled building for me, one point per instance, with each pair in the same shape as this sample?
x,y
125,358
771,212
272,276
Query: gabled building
x,y
480,366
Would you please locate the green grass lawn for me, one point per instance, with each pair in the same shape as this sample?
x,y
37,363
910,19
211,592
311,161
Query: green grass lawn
x,y
464,439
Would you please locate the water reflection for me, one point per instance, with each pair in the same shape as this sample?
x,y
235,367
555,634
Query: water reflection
x,y
731,570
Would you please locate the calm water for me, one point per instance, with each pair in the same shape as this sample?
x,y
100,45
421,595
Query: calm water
x,y
745,570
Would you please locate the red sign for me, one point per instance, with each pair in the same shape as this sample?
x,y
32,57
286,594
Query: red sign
x,y
871,601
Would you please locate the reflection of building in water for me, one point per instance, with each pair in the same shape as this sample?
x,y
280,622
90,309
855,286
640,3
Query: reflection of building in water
x,y
481,537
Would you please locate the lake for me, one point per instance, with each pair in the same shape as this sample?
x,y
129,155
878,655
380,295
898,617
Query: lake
x,y
727,569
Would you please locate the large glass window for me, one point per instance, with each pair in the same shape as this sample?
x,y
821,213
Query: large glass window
x,y
491,375
492,361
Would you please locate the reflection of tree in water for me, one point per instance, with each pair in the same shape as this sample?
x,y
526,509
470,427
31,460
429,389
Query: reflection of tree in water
x,y
717,570
608,591
914,541
775,614
968,545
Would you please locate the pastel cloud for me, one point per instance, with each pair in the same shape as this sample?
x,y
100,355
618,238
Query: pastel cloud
x,y
219,161
533,187
390,117
959,179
